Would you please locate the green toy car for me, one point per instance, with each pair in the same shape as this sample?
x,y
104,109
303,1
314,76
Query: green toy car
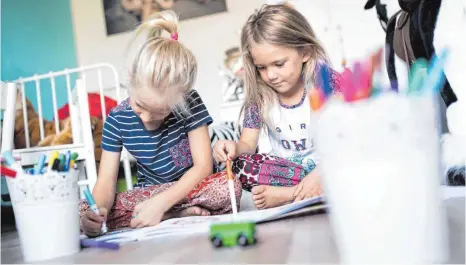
x,y
232,234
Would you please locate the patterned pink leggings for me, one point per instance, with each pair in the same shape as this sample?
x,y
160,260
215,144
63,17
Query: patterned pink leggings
x,y
212,194
264,169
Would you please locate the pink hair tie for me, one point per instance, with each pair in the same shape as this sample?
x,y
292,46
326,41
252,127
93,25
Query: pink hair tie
x,y
174,36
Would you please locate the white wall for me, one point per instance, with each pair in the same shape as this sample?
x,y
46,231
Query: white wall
x,y
360,28
208,37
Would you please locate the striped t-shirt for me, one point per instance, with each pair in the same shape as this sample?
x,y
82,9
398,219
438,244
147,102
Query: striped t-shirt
x,y
163,155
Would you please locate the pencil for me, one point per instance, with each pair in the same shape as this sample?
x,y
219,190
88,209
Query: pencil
x,y
231,187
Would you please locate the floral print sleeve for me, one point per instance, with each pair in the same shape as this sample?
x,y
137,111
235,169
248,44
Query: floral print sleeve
x,y
252,118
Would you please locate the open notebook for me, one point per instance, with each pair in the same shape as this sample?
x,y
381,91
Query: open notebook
x,y
201,224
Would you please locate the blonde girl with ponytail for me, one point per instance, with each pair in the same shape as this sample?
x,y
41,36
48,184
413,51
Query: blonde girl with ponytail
x,y
163,125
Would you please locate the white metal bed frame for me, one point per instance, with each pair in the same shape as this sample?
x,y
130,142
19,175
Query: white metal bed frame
x,y
79,113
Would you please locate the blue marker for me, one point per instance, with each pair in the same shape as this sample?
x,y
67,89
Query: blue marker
x,y
67,161
9,159
325,75
93,206
435,77
40,165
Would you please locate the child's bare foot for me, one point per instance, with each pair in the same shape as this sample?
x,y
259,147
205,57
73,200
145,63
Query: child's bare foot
x,y
193,211
190,211
271,196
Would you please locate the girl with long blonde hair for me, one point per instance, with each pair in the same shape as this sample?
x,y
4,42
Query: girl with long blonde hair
x,y
282,57
160,125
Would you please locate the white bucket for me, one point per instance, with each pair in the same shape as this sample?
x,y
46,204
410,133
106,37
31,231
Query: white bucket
x,y
47,214
381,173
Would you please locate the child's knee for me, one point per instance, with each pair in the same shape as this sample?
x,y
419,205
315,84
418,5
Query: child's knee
x,y
223,192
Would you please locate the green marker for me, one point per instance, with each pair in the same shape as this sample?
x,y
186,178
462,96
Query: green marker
x,y
74,156
417,75
61,164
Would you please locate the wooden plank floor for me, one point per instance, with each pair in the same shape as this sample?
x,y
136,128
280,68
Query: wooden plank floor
x,y
305,239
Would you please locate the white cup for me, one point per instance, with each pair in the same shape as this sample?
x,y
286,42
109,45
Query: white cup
x,y
381,174
47,214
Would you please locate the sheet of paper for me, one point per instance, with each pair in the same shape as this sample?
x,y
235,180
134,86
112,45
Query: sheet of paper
x,y
201,224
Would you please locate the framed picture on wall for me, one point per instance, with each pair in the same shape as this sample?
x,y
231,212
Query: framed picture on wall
x,y
125,15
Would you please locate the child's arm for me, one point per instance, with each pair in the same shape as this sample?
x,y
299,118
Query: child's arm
x,y
252,124
248,142
105,187
112,144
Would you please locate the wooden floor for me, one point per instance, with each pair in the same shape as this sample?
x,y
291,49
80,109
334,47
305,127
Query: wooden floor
x,y
305,239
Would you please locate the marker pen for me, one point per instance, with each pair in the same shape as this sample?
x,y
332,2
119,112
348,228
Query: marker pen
x,y
93,206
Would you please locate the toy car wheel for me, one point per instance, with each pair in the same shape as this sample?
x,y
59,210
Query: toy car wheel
x,y
216,241
242,240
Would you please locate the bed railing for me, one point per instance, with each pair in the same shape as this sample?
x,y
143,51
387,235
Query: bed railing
x,y
102,76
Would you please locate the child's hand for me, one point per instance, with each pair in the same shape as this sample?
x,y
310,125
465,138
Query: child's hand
x,y
92,222
224,150
309,187
147,213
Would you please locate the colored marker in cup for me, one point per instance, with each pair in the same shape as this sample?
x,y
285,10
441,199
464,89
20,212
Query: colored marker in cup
x,y
53,157
8,156
347,85
67,161
417,75
4,171
325,75
435,77
316,98
61,162
73,158
40,165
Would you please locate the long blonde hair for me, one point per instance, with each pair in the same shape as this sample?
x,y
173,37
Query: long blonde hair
x,y
278,25
164,63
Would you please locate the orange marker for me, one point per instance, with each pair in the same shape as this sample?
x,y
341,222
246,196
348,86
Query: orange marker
x,y
316,98
231,187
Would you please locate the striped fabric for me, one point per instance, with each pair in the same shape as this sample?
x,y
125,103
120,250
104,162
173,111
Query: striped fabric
x,y
163,155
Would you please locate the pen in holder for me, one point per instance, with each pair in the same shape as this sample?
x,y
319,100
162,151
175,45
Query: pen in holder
x,y
47,213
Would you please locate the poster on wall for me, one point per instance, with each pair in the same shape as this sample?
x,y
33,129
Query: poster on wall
x,y
125,15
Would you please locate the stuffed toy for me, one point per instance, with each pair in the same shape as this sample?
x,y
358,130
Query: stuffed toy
x,y
421,29
33,124
66,136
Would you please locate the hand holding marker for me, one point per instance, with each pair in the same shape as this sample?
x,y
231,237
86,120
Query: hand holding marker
x,y
93,206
